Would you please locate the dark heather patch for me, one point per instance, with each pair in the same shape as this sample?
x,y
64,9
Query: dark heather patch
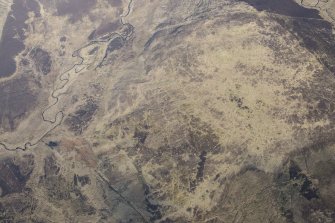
x,y
151,206
79,121
201,166
33,6
141,136
306,187
317,36
75,9
52,144
63,39
51,166
288,214
93,51
116,44
315,33
200,171
82,180
115,3
13,177
92,35
56,186
16,100
13,34
104,29
306,181
42,60
284,7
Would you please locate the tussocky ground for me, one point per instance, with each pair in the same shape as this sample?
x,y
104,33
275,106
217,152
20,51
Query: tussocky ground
x,y
167,111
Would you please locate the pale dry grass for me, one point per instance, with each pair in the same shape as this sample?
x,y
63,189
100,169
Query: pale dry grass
x,y
4,9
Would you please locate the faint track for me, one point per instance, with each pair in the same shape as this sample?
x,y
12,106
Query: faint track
x,y
128,202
